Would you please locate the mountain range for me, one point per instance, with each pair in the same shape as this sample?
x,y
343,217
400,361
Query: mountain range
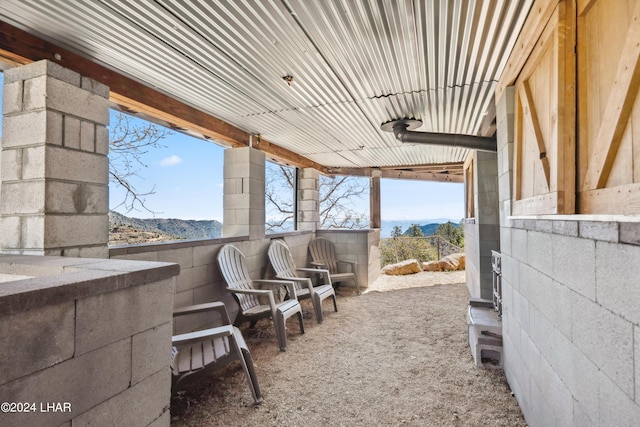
x,y
211,229
182,228
428,228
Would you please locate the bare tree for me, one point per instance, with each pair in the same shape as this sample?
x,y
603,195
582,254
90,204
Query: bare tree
x,y
336,197
279,185
129,141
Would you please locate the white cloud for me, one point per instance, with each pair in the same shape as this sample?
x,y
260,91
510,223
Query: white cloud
x,y
170,161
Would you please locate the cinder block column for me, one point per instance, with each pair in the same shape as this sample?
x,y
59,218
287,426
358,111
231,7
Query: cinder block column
x,y
55,170
244,213
308,199
505,119
487,217
482,235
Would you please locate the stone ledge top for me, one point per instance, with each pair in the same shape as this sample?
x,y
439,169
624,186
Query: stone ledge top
x,y
606,228
139,248
283,234
347,230
55,280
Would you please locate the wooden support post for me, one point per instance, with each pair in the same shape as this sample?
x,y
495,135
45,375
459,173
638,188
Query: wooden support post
x,y
374,202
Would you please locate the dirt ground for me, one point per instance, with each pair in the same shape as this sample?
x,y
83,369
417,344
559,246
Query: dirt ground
x,y
396,355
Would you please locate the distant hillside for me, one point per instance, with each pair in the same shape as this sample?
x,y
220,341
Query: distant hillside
x,y
430,229
427,230
122,234
387,225
186,229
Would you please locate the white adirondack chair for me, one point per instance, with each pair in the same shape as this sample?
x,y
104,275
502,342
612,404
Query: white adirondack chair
x,y
285,268
198,353
235,272
323,255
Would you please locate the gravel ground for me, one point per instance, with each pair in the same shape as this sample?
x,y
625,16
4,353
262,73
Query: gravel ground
x,y
396,355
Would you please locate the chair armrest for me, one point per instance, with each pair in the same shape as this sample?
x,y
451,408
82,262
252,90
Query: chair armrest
x,y
291,287
201,308
304,281
250,291
265,292
294,279
353,264
323,271
318,264
220,331
313,270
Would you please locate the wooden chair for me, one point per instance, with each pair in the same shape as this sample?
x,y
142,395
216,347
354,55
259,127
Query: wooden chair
x,y
235,272
323,254
285,268
198,353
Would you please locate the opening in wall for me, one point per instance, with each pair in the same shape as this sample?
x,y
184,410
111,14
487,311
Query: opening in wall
x,y
344,202
164,185
279,197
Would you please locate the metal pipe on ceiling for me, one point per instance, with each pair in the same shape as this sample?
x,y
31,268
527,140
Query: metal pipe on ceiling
x,y
403,130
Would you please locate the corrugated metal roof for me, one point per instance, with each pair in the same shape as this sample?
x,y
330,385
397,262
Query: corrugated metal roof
x,y
355,64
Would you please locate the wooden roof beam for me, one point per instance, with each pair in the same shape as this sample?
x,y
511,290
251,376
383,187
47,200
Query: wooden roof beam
x,y
434,167
452,173
18,47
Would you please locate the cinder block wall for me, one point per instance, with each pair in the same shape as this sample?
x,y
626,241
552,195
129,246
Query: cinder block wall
x,y
200,279
373,248
571,318
308,199
298,243
356,245
92,336
472,257
55,170
482,233
244,181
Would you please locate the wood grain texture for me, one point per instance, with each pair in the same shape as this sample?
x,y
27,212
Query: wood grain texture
x,y
617,110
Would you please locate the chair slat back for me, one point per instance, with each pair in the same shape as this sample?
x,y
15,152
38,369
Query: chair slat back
x,y
324,251
281,259
235,272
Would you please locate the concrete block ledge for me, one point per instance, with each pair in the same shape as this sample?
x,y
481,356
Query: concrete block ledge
x,y
605,228
88,335
54,280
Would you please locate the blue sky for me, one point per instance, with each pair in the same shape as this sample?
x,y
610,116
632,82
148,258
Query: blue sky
x,y
409,199
186,176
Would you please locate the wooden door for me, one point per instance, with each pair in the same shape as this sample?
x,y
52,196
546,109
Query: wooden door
x,y
609,114
544,132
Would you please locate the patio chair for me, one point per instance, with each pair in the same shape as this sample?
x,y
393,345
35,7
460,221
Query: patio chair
x,y
323,255
235,272
198,353
285,268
